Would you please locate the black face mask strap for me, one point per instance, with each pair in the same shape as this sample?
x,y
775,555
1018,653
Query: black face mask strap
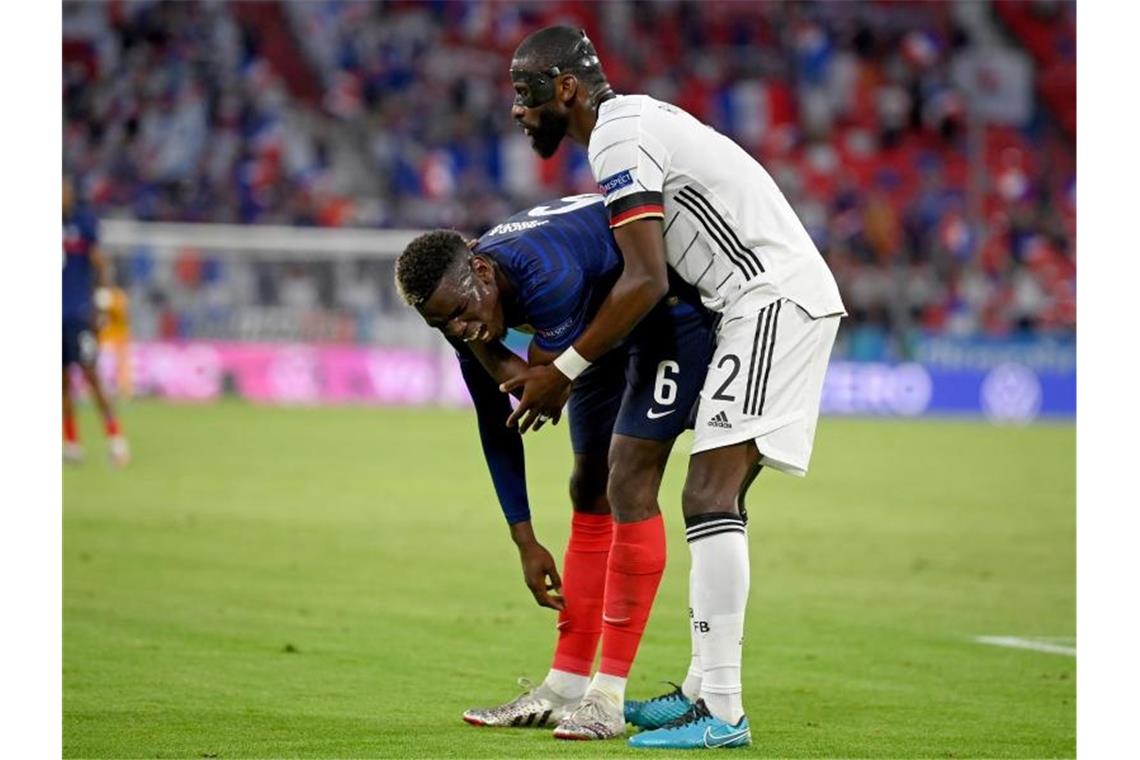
x,y
540,84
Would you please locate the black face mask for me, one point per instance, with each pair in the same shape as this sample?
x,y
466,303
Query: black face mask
x,y
539,86
547,136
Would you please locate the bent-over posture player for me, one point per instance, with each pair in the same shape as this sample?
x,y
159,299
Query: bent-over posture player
x,y
545,271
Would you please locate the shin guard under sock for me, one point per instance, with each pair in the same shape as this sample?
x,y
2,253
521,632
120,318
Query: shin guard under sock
x,y
583,590
637,561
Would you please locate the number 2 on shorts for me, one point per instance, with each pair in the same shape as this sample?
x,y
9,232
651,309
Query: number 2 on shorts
x,y
720,394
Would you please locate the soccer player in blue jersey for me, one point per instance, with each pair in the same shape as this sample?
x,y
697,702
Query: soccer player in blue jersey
x,y
85,292
546,271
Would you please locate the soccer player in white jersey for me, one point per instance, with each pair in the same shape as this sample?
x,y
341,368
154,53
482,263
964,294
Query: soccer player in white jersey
x,y
681,196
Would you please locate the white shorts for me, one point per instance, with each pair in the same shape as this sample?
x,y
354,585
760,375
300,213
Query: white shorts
x,y
765,382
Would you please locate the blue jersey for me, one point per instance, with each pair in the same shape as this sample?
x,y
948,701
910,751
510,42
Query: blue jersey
x,y
562,260
80,235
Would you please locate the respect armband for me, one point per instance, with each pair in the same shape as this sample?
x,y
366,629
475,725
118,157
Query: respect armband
x,y
571,363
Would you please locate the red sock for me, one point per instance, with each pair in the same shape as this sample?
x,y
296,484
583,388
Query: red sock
x,y
112,427
637,561
70,434
583,588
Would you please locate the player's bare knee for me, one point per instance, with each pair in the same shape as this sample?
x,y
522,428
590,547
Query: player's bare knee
x,y
702,495
588,492
633,498
633,486
716,477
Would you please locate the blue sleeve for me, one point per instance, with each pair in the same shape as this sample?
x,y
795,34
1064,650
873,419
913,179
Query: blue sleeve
x,y
502,446
557,308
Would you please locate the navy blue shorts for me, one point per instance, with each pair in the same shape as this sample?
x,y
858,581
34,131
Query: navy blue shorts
x,y
649,386
79,343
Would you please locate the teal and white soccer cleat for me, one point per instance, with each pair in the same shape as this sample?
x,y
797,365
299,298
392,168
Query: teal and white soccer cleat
x,y
654,713
599,716
696,729
535,708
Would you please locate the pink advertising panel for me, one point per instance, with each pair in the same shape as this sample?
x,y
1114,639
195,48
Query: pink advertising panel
x,y
293,373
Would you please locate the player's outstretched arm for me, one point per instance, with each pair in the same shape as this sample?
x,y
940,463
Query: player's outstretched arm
x,y
643,282
502,447
506,462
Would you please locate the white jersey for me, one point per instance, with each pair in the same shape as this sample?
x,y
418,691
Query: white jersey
x,y
729,231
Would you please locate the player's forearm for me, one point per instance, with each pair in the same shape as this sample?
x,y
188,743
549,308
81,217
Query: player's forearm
x,y
502,446
506,463
630,299
643,282
499,361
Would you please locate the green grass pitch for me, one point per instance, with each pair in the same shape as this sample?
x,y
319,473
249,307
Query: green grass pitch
x,y
339,583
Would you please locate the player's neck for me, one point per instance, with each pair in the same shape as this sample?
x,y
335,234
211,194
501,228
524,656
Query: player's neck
x,y
582,121
584,116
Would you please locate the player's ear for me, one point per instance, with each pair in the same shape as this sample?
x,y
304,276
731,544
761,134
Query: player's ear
x,y
482,268
568,89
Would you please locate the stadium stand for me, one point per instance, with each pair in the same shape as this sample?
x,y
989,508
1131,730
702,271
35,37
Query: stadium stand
x,y
936,212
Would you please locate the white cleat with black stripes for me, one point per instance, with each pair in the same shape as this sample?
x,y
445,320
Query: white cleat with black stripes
x,y
599,716
535,708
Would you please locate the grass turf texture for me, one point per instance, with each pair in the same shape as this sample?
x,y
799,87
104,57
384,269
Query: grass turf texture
x,y
339,583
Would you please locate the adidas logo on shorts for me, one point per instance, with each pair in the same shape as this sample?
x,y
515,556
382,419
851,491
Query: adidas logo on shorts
x,y
720,420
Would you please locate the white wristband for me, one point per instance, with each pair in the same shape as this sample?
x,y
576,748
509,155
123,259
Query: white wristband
x,y
571,363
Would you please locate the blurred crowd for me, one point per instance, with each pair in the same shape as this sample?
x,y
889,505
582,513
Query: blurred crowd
x,y
935,171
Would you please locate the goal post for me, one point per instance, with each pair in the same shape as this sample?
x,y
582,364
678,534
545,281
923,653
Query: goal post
x,y
264,282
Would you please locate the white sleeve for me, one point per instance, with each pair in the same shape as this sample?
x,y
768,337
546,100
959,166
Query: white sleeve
x,y
630,165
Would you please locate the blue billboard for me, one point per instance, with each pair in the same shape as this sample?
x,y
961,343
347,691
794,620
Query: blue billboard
x,y
1007,392
1016,379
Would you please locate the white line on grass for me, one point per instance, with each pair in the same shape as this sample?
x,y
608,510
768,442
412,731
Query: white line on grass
x,y
1016,642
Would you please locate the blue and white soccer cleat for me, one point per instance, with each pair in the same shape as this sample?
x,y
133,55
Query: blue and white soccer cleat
x,y
648,714
696,729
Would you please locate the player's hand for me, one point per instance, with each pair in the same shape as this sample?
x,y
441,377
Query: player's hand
x,y
545,390
541,576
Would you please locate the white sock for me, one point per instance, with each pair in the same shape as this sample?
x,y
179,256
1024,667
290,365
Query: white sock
x,y
691,686
565,684
719,549
611,685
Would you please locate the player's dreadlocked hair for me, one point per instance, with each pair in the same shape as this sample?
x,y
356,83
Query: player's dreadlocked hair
x,y
567,48
424,263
